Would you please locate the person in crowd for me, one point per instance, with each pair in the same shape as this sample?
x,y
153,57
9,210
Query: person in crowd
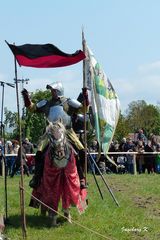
x,y
129,145
114,147
93,149
58,108
149,158
102,164
122,145
121,164
17,164
130,162
28,146
155,140
9,159
157,160
141,136
29,149
140,157
16,146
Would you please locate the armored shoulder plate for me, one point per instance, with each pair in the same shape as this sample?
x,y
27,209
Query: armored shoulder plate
x,y
74,103
41,104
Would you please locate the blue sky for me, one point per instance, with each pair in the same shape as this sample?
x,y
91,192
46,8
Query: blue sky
x,y
123,35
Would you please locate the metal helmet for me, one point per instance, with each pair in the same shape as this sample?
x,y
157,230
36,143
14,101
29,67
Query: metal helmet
x,y
58,87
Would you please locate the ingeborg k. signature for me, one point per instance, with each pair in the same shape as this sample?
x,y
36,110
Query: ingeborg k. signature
x,y
134,229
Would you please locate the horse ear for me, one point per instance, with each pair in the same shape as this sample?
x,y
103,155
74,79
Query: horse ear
x,y
60,120
47,122
49,125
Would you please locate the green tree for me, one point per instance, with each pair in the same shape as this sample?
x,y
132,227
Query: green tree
x,y
35,123
11,124
122,128
134,115
11,118
140,115
151,118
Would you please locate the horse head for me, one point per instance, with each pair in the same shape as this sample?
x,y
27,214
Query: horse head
x,y
59,149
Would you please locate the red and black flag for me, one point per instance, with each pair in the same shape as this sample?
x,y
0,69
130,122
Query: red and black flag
x,y
44,56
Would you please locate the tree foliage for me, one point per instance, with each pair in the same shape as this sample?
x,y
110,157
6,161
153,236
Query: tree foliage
x,y
35,123
138,115
11,123
122,128
141,115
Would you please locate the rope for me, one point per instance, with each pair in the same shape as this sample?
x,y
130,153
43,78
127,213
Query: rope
x,y
75,222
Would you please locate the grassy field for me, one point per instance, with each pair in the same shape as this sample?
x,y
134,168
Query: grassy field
x,y
138,216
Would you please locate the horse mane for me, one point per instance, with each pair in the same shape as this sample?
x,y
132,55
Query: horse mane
x,y
53,126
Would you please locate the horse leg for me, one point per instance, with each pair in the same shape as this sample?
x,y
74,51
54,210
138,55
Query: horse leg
x,y
43,211
53,217
67,215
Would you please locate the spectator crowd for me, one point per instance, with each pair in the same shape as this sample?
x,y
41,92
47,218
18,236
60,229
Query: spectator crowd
x,y
146,161
12,154
144,147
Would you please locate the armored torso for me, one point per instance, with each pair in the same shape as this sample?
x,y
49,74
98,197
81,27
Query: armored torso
x,y
60,109
58,113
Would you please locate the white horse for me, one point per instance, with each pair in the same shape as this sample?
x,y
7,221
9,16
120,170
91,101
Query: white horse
x,y
60,177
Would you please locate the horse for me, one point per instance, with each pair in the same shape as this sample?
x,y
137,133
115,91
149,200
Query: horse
x,y
60,180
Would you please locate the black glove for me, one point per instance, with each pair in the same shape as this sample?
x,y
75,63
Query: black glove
x,y
26,97
24,92
85,96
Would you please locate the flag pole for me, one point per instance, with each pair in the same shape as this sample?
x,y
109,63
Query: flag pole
x,y
85,105
21,183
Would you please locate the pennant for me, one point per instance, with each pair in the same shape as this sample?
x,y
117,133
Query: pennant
x,y
104,101
44,56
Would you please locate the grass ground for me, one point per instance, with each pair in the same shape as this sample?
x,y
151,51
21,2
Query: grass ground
x,y
137,218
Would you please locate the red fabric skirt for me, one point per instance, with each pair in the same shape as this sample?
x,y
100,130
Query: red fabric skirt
x,y
61,183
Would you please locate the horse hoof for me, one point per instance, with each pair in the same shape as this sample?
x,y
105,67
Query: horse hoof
x,y
68,217
54,225
43,213
70,220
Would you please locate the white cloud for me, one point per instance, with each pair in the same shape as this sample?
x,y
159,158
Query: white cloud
x,y
71,81
149,68
144,85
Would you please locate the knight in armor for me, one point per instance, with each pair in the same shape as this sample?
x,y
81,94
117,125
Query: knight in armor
x,y
58,108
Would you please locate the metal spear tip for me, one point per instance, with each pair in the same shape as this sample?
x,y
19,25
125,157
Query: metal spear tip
x,y
10,85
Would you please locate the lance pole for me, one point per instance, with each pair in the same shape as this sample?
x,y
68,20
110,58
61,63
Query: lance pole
x,y
21,184
85,105
4,151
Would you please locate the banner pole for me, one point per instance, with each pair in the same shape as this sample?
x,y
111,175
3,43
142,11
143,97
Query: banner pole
x,y
21,187
85,105
104,180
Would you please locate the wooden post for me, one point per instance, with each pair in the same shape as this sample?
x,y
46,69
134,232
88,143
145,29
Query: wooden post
x,y
21,187
134,165
3,168
85,107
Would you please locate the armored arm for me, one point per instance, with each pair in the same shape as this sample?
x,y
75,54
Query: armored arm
x,y
26,98
27,101
85,97
74,106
